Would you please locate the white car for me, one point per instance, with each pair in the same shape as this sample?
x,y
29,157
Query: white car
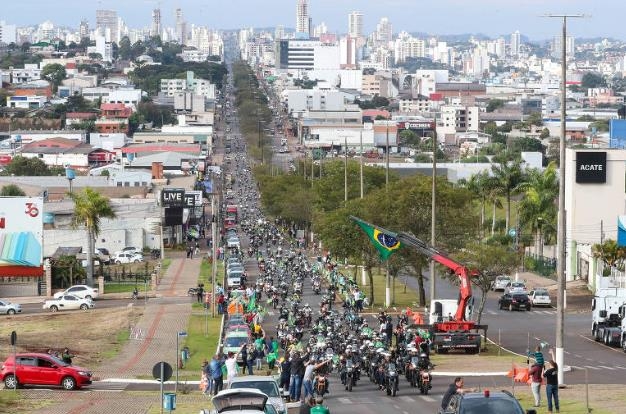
x,y
9,308
233,242
500,283
81,291
135,250
266,384
122,257
239,401
515,287
539,297
68,302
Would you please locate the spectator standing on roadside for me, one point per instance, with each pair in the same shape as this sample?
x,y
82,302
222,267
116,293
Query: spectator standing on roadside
x,y
297,372
535,373
231,368
285,372
215,368
552,385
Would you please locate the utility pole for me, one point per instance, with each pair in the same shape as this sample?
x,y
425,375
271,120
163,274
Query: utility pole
x,y
433,221
561,240
345,169
361,158
388,276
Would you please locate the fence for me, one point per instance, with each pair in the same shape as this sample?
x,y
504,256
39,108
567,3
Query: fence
x,y
545,266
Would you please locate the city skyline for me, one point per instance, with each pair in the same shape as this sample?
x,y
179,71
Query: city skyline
x,y
445,17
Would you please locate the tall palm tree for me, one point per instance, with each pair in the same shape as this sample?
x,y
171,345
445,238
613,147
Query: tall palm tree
x,y
89,207
538,209
509,176
478,184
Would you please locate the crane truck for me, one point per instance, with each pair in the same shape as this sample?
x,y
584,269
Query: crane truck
x,y
449,324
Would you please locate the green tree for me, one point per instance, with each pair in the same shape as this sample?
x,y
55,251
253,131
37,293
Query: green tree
x,y
23,166
490,260
89,208
409,138
508,176
593,80
125,49
55,73
537,209
494,104
611,254
11,190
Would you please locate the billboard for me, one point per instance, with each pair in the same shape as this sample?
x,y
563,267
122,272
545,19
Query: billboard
x,y
21,236
591,167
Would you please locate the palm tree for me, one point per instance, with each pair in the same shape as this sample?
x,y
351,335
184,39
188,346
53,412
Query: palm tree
x,y
509,176
478,184
89,207
538,208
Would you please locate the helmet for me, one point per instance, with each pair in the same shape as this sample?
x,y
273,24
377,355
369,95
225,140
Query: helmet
x,y
349,348
423,355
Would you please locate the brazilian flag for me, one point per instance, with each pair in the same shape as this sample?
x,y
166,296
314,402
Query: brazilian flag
x,y
385,241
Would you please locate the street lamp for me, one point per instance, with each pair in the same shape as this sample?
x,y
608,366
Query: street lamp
x,y
560,272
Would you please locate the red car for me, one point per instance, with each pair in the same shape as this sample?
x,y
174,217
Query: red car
x,y
42,369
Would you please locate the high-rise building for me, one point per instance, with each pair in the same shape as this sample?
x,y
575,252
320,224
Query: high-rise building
x,y
355,24
302,17
384,31
107,23
516,42
8,33
83,29
156,23
181,27
279,33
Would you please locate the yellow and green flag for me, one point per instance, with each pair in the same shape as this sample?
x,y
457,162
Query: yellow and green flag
x,y
385,241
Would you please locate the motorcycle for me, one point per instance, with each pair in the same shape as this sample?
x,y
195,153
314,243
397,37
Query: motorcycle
x,y
391,377
320,385
350,377
411,371
424,381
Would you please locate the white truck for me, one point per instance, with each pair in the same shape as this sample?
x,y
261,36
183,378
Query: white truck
x,y
608,323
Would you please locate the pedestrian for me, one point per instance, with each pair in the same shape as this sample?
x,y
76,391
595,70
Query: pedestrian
x,y
200,292
535,373
552,385
455,388
197,249
215,368
259,347
252,356
231,368
305,408
66,356
538,356
204,377
188,252
285,372
296,373
319,408
220,303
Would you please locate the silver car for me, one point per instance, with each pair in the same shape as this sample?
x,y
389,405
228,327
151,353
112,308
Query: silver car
x,y
9,308
266,384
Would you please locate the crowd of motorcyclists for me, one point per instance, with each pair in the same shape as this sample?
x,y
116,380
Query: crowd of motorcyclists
x,y
330,336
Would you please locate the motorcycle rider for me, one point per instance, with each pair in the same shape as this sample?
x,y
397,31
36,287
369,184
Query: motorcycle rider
x,y
424,364
349,355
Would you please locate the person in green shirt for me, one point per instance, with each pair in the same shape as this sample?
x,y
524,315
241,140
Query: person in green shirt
x,y
319,408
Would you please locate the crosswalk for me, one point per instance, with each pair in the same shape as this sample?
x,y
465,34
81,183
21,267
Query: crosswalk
x,y
534,312
366,400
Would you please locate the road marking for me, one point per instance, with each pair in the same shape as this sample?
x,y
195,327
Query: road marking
x,y
605,367
406,398
427,398
618,350
344,400
591,367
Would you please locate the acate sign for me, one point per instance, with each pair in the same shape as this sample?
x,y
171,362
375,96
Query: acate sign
x,y
591,167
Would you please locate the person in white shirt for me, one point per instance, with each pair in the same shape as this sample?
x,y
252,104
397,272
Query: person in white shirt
x,y
231,368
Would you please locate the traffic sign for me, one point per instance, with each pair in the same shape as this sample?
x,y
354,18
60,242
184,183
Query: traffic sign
x,y
167,371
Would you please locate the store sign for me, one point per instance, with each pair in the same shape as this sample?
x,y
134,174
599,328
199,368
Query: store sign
x,y
416,125
591,167
21,234
172,197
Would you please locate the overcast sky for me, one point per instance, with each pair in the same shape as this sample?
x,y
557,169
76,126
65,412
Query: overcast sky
x,y
490,17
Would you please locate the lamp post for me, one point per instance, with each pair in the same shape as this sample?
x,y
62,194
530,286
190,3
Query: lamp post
x,y
387,276
561,255
433,221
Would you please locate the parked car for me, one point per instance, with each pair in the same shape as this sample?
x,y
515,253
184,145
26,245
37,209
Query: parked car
x,y
239,401
234,278
540,297
135,250
121,257
500,283
514,301
42,369
103,255
9,308
485,402
266,384
516,287
81,291
68,302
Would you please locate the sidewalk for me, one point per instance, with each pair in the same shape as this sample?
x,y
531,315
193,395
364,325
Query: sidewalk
x,y
158,326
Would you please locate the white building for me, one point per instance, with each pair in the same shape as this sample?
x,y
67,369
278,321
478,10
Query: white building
x,y
172,87
26,102
406,46
308,55
29,73
457,118
302,100
8,33
355,24
303,22
384,31
128,97
516,42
